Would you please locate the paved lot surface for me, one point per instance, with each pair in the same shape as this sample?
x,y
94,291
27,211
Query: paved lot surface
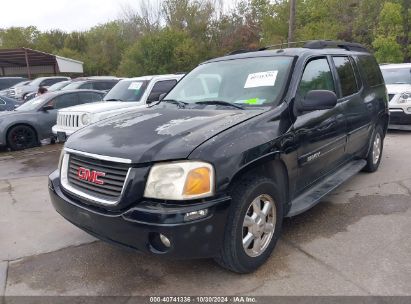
x,y
356,242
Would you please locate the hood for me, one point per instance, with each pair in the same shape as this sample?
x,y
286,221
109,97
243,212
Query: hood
x,y
100,106
398,88
157,134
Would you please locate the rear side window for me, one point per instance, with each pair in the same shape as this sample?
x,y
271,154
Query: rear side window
x,y
317,76
104,85
161,87
370,70
346,74
85,97
66,100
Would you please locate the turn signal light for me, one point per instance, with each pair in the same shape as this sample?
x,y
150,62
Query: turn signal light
x,y
198,182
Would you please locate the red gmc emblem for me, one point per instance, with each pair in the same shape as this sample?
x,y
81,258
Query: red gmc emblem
x,y
91,176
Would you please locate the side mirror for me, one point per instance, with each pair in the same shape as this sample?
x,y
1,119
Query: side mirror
x,y
162,95
153,97
317,100
47,108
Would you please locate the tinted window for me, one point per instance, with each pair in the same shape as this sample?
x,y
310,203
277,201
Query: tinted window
x,y
161,87
85,86
90,97
317,76
49,82
66,100
346,74
104,85
370,70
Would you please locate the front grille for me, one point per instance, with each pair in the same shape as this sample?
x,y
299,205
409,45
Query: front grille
x,y
390,96
68,120
114,179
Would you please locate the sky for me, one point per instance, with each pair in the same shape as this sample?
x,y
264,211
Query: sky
x,y
67,15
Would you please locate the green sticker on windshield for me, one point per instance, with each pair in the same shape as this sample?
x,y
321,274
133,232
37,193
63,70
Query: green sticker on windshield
x,y
252,101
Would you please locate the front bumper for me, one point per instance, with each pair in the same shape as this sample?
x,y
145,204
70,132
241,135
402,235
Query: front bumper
x,y
399,120
58,129
135,227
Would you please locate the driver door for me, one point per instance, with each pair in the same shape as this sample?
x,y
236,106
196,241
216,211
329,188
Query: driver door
x,y
320,135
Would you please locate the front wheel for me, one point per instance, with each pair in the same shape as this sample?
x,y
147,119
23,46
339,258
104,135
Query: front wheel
x,y
253,226
375,153
21,137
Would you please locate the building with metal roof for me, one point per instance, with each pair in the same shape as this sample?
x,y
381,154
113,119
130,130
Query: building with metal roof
x,y
24,61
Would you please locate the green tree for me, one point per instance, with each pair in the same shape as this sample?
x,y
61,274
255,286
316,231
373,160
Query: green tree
x,y
167,51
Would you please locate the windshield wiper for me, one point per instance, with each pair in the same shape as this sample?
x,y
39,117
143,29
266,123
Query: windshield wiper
x,y
113,99
220,103
180,104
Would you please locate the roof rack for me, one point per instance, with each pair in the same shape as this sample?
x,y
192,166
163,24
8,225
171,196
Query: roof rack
x,y
324,44
311,44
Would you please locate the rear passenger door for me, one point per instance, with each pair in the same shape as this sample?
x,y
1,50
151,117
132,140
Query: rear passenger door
x,y
321,135
357,111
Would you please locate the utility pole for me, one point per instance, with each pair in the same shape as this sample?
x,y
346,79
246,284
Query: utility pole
x,y
291,22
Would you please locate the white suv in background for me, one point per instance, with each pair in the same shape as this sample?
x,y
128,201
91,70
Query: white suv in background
x,y
128,94
398,81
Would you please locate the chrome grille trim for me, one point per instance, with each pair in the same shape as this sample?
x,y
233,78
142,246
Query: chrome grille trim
x,y
66,183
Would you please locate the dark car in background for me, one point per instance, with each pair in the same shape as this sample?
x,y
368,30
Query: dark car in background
x,y
238,144
7,104
31,122
93,83
7,82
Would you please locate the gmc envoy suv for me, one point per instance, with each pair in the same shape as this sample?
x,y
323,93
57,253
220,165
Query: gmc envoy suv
x,y
238,144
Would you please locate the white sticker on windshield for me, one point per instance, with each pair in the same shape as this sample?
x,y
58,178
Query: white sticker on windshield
x,y
262,79
135,86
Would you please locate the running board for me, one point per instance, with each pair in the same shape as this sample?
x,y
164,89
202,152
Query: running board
x,y
313,196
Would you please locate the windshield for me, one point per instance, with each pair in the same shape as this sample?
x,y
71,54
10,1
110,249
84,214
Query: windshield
x,y
34,103
249,81
397,76
127,90
58,86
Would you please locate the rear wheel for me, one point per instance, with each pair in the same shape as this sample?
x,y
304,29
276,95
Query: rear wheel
x,y
21,137
253,226
375,153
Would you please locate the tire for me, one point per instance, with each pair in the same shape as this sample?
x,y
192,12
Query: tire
x,y
21,137
234,255
375,154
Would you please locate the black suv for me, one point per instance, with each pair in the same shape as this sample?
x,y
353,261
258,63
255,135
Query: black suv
x,y
237,145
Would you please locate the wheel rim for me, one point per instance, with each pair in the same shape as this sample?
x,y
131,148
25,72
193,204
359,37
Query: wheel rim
x,y
22,138
376,150
259,225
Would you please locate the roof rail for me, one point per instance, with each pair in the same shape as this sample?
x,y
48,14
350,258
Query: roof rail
x,y
240,51
323,44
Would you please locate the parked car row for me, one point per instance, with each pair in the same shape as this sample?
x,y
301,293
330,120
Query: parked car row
x,y
62,111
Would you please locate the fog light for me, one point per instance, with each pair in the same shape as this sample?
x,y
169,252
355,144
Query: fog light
x,y
166,242
195,215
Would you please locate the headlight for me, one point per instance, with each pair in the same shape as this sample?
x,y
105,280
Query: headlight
x,y
85,119
405,98
180,181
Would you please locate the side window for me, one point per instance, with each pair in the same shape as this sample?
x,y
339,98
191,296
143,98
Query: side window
x,y
2,102
86,86
65,101
346,74
161,87
317,76
49,82
103,85
370,70
85,97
